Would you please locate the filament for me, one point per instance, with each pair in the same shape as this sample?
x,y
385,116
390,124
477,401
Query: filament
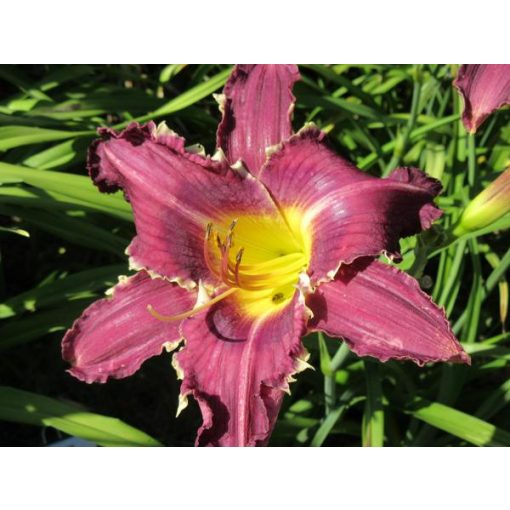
x,y
268,274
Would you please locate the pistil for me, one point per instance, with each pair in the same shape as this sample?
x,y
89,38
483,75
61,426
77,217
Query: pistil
x,y
273,275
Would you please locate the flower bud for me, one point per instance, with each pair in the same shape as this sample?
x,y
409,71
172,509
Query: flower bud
x,y
487,207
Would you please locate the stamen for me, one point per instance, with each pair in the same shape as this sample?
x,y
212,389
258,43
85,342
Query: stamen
x,y
233,224
239,257
208,231
189,313
225,266
207,251
281,269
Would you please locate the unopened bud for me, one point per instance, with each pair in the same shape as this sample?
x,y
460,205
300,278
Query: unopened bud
x,y
487,207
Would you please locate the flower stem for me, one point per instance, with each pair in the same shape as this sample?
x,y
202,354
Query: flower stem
x,y
471,160
329,380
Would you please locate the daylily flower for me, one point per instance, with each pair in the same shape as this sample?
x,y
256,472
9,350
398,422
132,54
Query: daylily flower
x,y
487,207
484,88
241,254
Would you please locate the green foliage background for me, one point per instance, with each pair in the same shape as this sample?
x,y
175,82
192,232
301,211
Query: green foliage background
x,y
62,245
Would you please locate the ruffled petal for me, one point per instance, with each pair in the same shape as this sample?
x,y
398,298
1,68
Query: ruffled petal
x,y
382,312
347,213
257,108
485,88
174,195
238,368
114,336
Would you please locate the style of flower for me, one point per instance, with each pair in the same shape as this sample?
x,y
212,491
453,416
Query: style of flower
x,y
241,254
484,88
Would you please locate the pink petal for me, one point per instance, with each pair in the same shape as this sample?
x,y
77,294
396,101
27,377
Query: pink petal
x,y
257,111
349,214
174,194
484,88
238,368
114,336
382,312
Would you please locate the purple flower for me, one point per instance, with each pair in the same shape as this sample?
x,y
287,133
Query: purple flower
x,y
242,254
484,88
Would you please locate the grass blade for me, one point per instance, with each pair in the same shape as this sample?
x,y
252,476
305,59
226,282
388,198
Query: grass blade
x,y
373,417
462,425
76,188
76,286
16,136
34,409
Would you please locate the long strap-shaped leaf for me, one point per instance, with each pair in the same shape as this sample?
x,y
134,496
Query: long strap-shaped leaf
x,y
467,427
76,188
373,417
34,409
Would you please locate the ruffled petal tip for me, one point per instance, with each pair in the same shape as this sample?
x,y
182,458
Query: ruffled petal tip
x,y
174,194
484,88
114,336
256,105
239,371
382,312
348,213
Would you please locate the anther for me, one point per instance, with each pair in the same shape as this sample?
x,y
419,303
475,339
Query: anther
x,y
218,242
239,257
208,231
233,224
225,266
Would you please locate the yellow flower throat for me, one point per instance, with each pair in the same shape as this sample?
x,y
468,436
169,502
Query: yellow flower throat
x,y
258,259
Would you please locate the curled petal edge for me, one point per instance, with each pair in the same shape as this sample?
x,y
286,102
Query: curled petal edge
x,y
270,395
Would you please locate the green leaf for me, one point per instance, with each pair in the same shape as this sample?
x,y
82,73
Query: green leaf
x,y
16,136
14,75
330,102
86,103
327,425
390,83
75,188
74,230
413,137
17,231
347,84
346,400
33,409
169,71
373,417
495,402
76,286
462,425
325,358
194,94
70,151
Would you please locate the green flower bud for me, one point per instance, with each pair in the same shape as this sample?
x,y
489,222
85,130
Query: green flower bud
x,y
487,207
